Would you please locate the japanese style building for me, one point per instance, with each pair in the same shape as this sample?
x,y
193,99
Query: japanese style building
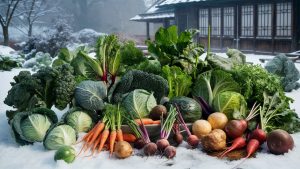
x,y
261,26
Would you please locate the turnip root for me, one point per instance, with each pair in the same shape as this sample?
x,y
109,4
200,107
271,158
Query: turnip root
x,y
201,128
123,149
217,120
214,141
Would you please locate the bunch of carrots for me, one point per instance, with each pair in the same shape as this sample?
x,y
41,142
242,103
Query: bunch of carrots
x,y
106,132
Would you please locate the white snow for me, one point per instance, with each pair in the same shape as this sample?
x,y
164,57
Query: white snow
x,y
5,50
36,157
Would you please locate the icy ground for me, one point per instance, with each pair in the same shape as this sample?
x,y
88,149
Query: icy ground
x,y
36,157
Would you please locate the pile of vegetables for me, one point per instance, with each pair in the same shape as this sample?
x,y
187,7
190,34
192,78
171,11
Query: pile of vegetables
x,y
224,104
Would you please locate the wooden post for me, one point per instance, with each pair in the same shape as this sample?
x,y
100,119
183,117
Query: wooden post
x,y
148,30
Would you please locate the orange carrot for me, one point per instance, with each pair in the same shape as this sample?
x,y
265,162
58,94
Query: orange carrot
x,y
129,137
145,121
104,137
112,139
120,135
156,122
88,135
97,131
237,143
96,144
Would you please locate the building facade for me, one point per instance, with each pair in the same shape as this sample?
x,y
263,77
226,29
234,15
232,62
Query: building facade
x,y
260,26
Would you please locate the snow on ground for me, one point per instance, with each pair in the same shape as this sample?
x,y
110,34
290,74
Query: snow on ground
x,y
36,157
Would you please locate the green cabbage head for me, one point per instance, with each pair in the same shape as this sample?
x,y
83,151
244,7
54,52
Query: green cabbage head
x,y
232,104
80,121
35,126
139,101
58,136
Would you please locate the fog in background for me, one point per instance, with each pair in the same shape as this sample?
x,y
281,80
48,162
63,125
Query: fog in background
x,y
105,16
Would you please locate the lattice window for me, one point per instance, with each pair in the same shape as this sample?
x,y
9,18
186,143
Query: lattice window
x,y
247,21
264,25
228,21
283,19
203,22
216,21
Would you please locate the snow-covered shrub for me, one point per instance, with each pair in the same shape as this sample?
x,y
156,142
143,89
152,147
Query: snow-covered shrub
x,y
6,63
39,61
51,41
88,36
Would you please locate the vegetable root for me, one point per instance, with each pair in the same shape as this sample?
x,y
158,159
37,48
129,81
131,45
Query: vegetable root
x,y
237,143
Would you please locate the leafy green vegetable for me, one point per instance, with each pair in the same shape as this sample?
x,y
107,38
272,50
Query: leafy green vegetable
x,y
232,104
139,101
254,80
90,95
42,89
64,86
6,63
136,79
276,114
189,108
59,135
66,153
173,49
31,126
211,83
108,58
79,119
179,82
131,55
235,57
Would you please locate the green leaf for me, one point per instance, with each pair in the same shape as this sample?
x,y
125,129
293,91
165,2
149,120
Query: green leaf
x,y
115,63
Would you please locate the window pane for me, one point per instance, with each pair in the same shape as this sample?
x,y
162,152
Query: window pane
x,y
264,20
228,21
283,19
203,22
216,21
247,21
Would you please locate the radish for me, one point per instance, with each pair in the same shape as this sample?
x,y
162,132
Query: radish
x,y
166,128
259,135
252,147
237,143
192,140
236,128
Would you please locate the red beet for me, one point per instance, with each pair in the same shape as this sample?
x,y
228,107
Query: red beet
x,y
139,143
235,128
259,135
150,149
178,138
193,141
162,144
170,152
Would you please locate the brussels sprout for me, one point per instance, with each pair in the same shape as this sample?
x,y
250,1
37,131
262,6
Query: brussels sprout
x,y
80,121
66,153
35,126
58,136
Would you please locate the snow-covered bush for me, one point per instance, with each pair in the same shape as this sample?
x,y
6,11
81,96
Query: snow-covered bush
x,y
51,41
39,61
88,36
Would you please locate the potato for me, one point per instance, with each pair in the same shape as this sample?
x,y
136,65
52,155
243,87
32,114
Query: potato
x,y
123,149
201,128
217,120
214,141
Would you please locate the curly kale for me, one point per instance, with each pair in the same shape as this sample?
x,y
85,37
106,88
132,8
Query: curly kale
x,y
44,88
64,86
137,79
